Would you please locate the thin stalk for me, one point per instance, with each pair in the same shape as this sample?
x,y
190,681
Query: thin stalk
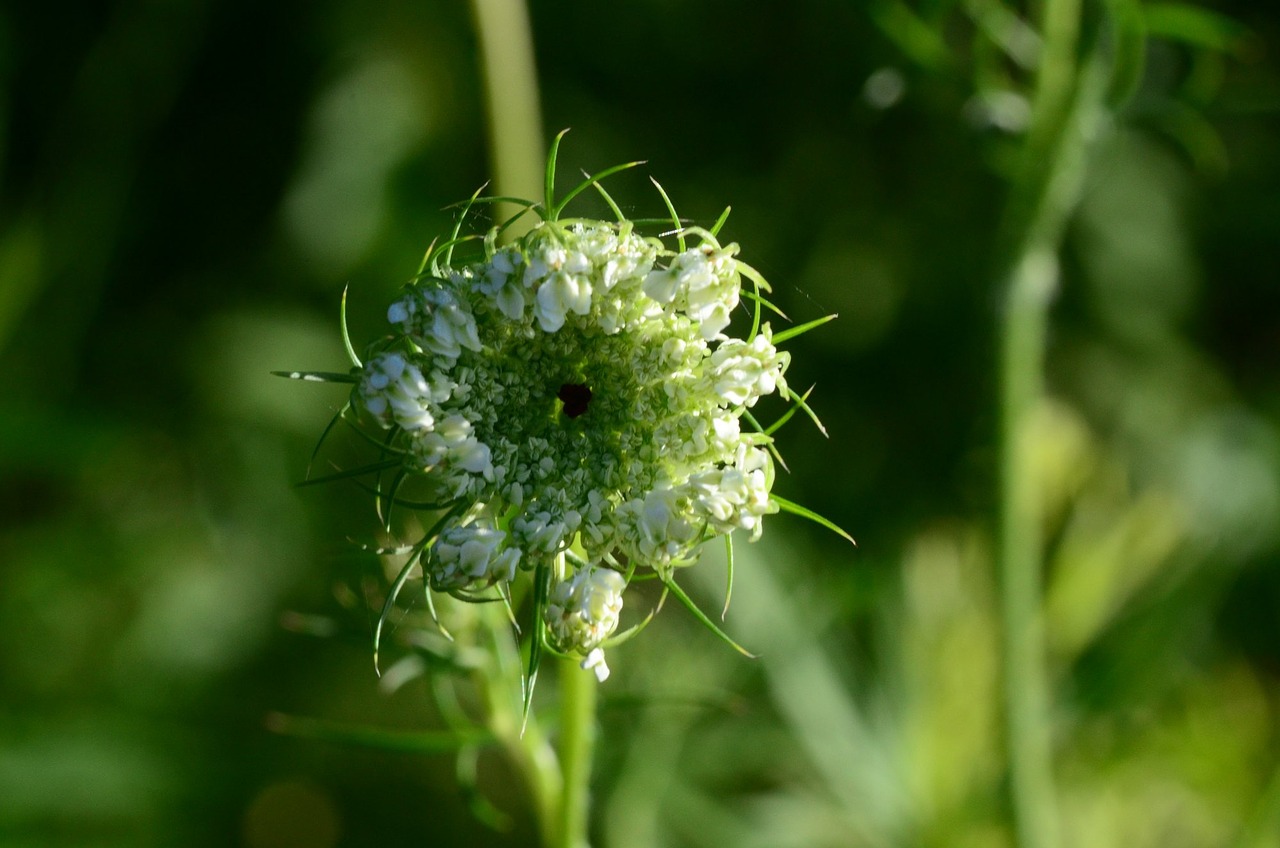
x,y
1041,201
510,77
1027,724
577,743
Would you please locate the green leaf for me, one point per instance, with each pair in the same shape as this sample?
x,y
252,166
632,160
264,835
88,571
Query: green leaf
x,y
324,434
549,196
457,225
786,416
769,444
346,336
541,591
724,216
350,472
404,742
447,248
403,576
799,400
634,630
592,179
671,584
756,277
728,583
792,332
675,219
390,603
318,376
426,259
804,512
617,211
396,483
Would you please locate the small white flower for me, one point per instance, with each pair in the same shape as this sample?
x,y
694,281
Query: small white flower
x,y
583,610
565,287
469,555
594,662
501,283
437,320
740,373
395,392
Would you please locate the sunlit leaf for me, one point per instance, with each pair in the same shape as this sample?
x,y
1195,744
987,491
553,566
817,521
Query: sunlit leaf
x,y
804,512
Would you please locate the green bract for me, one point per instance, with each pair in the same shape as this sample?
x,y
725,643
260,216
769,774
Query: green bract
x,y
572,404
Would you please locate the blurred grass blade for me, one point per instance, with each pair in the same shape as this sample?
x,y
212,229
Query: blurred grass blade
x,y
467,774
792,332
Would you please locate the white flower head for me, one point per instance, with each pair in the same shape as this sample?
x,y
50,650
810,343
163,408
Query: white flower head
x,y
573,401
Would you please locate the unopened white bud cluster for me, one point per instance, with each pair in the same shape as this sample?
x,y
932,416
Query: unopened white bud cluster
x,y
575,392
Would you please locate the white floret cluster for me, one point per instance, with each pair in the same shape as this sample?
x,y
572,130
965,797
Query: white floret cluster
x,y
575,392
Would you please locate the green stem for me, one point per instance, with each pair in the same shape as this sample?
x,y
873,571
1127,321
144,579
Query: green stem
x,y
1027,724
577,741
1040,204
524,741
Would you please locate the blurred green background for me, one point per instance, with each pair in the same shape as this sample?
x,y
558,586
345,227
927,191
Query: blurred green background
x,y
187,188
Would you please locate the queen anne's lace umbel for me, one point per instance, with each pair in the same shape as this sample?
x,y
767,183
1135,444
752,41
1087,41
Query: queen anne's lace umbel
x,y
573,400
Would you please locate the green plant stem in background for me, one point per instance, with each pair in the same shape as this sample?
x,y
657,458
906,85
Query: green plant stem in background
x,y
510,77
1063,123
1027,725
